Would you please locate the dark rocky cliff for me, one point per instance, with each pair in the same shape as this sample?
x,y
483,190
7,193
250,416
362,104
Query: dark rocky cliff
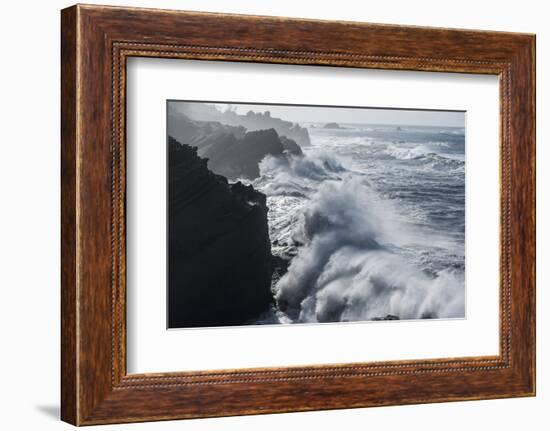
x,y
231,150
219,265
290,146
235,158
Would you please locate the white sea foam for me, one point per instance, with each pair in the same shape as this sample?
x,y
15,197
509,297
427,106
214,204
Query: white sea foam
x,y
345,271
298,174
427,156
404,153
353,213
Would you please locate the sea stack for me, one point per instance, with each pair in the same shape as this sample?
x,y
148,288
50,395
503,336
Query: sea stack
x,y
333,126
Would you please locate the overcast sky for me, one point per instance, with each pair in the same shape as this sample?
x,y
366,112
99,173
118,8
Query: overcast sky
x,y
300,114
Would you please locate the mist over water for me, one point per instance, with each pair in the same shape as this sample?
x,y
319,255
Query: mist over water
x,y
372,218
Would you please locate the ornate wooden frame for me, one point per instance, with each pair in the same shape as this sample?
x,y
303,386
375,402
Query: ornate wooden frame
x,y
95,43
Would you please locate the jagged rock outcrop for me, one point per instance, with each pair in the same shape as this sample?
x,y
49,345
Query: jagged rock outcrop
x,y
387,317
240,158
333,126
232,151
220,262
290,146
251,120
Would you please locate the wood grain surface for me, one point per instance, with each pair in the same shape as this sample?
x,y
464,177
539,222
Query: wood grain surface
x,y
95,43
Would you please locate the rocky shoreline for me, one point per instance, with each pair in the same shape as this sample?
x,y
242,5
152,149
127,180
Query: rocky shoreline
x,y
251,121
221,268
231,151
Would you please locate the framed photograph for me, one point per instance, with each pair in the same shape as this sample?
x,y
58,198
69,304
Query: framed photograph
x,y
264,214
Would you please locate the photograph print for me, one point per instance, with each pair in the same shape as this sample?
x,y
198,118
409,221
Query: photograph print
x,y
300,214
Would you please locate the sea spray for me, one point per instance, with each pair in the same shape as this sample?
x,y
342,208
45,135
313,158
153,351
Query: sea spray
x,y
346,271
370,227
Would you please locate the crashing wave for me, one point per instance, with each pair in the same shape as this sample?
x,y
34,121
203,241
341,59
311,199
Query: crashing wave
x,y
347,271
297,176
422,154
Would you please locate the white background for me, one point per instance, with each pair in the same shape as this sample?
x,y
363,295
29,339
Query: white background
x,y
29,226
152,349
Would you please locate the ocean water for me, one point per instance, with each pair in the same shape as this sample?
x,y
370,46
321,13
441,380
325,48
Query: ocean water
x,y
371,219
